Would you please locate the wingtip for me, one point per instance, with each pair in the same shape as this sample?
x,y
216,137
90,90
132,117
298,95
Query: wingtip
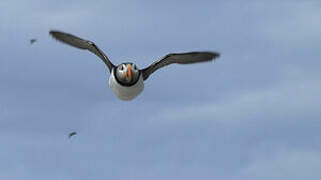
x,y
211,55
54,32
218,55
215,55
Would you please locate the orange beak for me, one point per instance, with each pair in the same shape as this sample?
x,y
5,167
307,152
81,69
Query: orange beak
x,y
129,69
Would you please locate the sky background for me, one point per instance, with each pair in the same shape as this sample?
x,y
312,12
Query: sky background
x,y
252,114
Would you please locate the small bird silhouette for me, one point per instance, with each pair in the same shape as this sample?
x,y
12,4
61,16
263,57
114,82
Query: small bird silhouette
x,y
72,134
32,41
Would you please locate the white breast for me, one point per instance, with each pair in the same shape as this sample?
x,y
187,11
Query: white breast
x,y
126,92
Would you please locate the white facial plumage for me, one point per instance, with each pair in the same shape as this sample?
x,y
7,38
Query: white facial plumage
x,y
127,73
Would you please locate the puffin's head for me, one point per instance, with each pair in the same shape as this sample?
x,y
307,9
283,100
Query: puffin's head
x,y
127,73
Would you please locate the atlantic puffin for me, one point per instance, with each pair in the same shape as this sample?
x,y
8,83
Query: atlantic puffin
x,y
126,79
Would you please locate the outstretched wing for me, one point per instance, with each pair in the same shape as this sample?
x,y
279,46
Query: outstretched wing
x,y
179,58
82,44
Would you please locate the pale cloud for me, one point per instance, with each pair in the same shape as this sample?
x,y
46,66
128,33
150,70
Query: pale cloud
x,y
292,94
281,163
298,26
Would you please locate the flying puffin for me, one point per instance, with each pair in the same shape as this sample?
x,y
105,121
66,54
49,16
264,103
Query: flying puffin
x,y
127,80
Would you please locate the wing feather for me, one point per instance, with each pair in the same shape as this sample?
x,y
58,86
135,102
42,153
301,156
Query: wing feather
x,y
179,58
81,44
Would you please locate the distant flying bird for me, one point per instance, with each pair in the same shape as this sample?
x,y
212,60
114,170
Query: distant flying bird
x,y
32,41
126,80
72,134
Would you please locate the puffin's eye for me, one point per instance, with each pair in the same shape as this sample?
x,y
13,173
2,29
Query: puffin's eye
x,y
121,68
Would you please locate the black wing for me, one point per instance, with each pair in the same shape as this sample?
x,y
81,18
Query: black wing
x,y
179,58
82,44
72,134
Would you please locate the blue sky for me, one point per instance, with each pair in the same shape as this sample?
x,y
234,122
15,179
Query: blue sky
x,y
252,114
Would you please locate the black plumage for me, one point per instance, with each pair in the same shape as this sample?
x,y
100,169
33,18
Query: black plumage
x,y
72,134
